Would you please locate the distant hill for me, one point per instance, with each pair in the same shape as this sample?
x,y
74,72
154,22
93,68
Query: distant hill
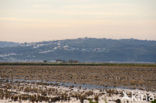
x,y
81,49
8,44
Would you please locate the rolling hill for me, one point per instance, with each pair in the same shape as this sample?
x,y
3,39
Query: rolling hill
x,y
81,49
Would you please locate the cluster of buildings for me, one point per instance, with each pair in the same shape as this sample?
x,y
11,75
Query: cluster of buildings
x,y
63,61
68,61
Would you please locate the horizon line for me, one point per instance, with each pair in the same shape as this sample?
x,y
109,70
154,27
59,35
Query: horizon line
x,y
76,38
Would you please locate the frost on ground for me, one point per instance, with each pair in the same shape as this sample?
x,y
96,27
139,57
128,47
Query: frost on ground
x,y
38,92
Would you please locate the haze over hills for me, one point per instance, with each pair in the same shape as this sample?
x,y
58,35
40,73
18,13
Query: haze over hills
x,y
8,44
81,49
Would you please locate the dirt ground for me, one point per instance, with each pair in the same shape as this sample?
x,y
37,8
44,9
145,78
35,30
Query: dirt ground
x,y
119,76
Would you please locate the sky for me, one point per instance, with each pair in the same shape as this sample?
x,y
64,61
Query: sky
x,y
41,20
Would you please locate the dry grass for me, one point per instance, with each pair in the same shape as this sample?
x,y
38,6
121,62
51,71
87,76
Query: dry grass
x,y
133,77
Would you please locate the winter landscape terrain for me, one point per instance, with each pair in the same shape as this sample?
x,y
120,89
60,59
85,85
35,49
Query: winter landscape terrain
x,y
81,49
83,70
125,83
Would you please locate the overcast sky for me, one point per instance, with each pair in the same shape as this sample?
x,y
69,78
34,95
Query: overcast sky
x,y
38,20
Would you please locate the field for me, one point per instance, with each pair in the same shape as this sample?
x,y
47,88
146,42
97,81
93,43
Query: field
x,y
119,76
100,77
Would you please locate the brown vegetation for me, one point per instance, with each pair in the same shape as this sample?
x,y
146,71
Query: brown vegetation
x,y
131,77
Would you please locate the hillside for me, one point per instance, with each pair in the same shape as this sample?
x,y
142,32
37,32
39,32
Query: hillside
x,y
81,49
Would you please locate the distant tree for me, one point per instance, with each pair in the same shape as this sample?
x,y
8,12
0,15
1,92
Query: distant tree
x,y
45,61
73,61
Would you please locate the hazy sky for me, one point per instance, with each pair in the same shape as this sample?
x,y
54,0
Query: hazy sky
x,y
38,20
